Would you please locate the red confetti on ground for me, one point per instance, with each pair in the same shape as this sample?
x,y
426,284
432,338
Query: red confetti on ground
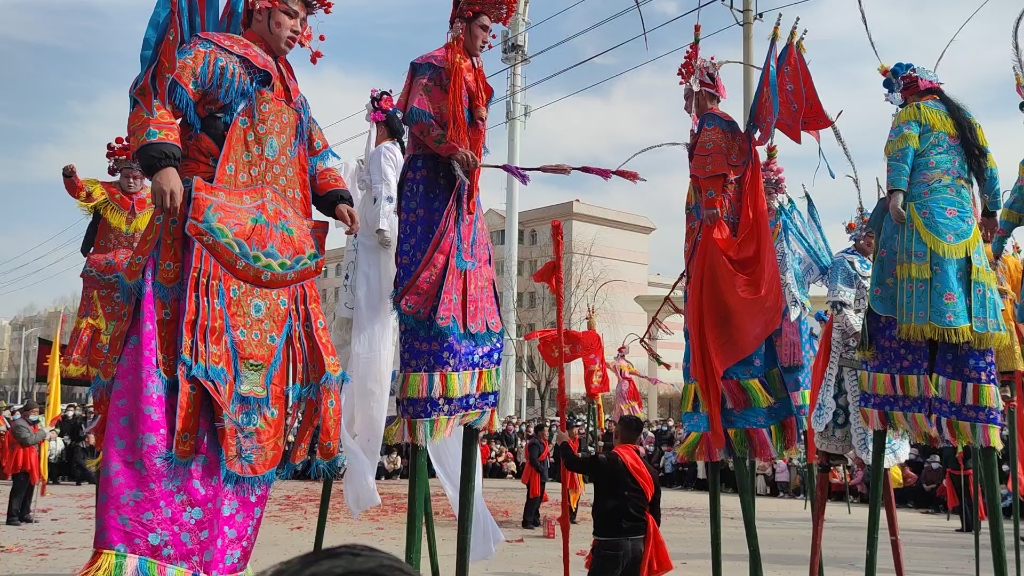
x,y
41,554
516,541
582,553
11,549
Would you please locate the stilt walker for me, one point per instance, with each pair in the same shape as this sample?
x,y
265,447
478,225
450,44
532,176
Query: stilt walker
x,y
836,427
226,343
934,313
451,334
735,401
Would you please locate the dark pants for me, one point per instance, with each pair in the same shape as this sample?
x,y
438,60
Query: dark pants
x,y
573,511
616,557
20,504
966,505
531,511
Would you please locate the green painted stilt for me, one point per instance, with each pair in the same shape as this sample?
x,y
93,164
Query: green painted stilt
x,y
746,492
975,491
414,518
321,520
435,568
1011,419
990,462
875,501
846,481
467,489
715,505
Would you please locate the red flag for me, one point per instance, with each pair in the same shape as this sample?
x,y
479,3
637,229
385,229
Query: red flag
x,y
791,92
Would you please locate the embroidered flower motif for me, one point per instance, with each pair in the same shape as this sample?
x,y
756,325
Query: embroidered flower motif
x,y
951,212
949,297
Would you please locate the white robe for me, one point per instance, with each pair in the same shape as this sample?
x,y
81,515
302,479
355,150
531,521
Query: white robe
x,y
374,328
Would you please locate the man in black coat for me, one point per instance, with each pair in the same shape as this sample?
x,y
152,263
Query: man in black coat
x,y
535,475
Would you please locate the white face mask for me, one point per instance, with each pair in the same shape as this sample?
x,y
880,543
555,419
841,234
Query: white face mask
x,y
33,418
936,465
16,417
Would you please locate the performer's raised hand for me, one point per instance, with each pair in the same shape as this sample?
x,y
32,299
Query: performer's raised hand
x,y
466,160
711,216
347,215
69,171
899,215
384,239
167,190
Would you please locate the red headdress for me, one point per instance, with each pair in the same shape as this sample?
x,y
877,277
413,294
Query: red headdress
x,y
119,157
308,39
699,73
499,11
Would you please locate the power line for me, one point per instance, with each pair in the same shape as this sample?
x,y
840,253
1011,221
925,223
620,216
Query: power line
x,y
624,72
43,242
602,53
38,258
528,28
68,269
7,283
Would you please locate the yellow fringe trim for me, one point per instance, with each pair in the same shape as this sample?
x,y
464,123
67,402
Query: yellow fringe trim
x,y
92,188
112,213
1011,216
110,563
904,140
958,250
74,371
955,335
985,276
914,270
937,120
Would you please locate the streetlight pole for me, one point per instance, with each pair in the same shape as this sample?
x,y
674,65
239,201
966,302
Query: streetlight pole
x,y
513,53
748,58
21,365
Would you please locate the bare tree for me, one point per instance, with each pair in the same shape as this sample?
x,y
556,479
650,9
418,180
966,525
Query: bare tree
x,y
537,309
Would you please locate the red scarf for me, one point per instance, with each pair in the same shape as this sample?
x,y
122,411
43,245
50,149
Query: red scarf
x,y
573,480
531,477
656,560
821,360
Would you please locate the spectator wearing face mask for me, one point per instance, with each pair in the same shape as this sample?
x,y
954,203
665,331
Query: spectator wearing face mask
x,y
23,448
928,484
508,436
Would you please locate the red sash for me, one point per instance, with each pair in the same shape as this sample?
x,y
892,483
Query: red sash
x,y
656,560
817,379
968,479
574,481
531,477
22,458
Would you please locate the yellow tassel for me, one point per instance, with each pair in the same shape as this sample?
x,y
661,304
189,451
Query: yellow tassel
x,y
904,140
985,275
914,270
1012,217
922,332
956,250
93,188
118,218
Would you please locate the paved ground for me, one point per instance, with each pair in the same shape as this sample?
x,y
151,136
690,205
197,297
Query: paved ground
x,y
61,542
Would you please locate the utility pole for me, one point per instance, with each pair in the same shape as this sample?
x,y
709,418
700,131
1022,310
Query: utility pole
x,y
513,53
748,58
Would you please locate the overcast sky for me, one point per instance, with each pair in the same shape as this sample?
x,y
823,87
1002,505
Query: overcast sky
x,y
68,69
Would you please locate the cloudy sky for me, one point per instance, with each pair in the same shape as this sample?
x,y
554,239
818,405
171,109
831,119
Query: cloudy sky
x,y
65,97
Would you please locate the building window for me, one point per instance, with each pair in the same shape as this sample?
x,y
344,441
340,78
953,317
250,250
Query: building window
x,y
323,294
521,236
337,293
533,267
531,327
337,270
325,272
531,364
499,268
498,238
520,330
531,300
533,237
521,267
519,363
519,299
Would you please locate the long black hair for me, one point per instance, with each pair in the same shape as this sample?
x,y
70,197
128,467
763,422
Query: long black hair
x,y
977,155
392,119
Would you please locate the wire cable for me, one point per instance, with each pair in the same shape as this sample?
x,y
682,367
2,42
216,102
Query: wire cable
x,y
4,263
40,257
68,269
7,283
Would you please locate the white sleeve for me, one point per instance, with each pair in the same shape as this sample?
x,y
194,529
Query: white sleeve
x,y
384,187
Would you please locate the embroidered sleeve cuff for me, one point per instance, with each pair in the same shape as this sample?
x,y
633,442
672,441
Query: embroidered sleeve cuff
x,y
155,157
327,203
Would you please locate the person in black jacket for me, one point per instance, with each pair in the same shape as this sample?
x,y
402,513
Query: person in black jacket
x,y
620,504
535,475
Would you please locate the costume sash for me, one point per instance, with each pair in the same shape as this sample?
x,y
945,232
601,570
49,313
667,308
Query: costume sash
x,y
968,479
818,379
573,480
656,560
531,477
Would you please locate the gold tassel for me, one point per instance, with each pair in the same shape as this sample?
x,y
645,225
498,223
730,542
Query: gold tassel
x,y
914,270
904,140
956,250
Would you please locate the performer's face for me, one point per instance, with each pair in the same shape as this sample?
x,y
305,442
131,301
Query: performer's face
x,y
866,245
477,35
132,180
281,26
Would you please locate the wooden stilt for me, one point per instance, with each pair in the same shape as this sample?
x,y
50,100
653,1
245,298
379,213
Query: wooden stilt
x,y
752,476
811,472
321,520
414,517
1011,419
889,500
715,505
817,565
976,490
990,462
467,493
746,493
846,483
435,568
875,501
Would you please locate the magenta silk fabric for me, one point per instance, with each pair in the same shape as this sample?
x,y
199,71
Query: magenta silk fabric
x,y
184,517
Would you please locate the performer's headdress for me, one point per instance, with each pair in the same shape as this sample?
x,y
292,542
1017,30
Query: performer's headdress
x,y
903,80
119,157
771,171
1018,59
382,104
308,39
699,73
499,11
